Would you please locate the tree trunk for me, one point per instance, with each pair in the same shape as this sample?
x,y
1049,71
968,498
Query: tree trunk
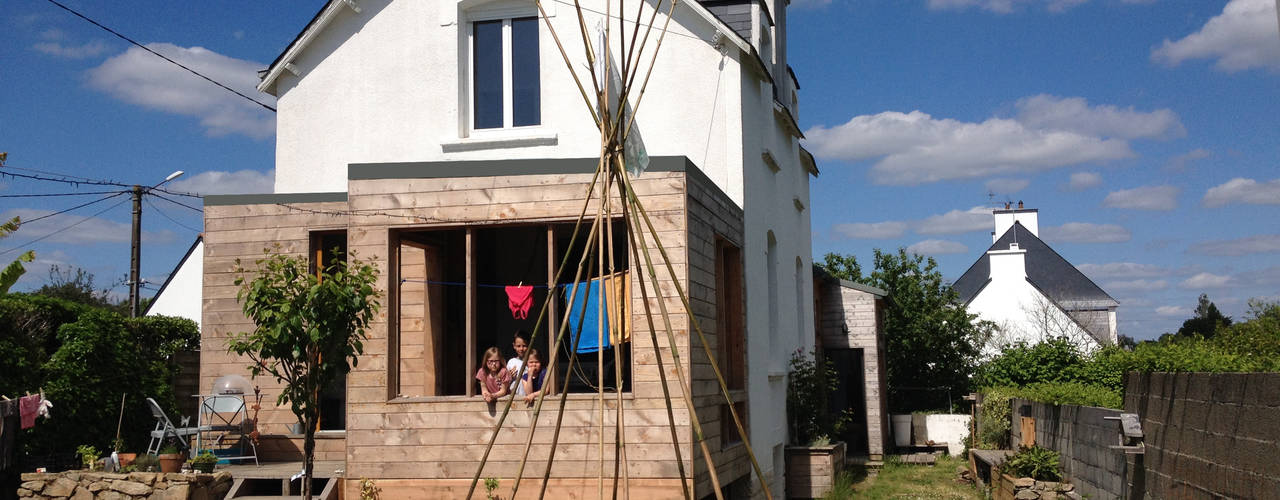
x,y
308,452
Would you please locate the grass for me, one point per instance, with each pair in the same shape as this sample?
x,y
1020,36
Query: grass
x,y
900,481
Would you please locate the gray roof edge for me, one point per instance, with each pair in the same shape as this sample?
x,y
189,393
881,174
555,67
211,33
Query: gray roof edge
x,y
215,200
863,288
494,168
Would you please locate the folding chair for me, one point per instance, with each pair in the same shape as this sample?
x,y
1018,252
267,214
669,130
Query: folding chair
x,y
223,423
165,429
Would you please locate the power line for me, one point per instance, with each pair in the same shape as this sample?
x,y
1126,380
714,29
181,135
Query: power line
x,y
59,174
82,205
77,223
92,182
178,193
157,54
175,202
171,219
56,194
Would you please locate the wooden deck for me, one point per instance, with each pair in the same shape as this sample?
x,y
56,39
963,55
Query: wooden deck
x,y
283,470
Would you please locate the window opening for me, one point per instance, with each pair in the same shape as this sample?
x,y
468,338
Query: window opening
x,y
328,251
505,73
729,324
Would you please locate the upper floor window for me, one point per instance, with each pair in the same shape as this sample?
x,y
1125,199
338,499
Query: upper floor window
x,y
505,87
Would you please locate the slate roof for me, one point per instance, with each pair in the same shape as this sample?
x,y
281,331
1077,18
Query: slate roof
x,y
1060,281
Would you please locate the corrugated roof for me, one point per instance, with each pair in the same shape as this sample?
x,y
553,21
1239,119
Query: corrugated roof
x,y
1058,279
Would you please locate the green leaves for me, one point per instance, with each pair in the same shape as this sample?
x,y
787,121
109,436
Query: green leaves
x,y
1035,462
14,270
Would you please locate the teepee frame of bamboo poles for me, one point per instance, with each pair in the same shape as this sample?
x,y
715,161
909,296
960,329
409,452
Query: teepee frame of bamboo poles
x,y
607,108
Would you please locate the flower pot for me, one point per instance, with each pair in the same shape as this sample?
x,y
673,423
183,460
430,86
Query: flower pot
x,y
126,458
811,470
171,462
901,430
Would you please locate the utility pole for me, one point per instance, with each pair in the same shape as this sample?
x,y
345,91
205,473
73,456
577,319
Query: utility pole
x,y
135,257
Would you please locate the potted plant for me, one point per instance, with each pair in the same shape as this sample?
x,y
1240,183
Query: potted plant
x,y
813,459
146,463
88,456
171,459
124,458
204,462
1033,469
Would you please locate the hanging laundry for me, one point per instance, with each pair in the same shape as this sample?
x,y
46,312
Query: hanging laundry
x,y
28,406
520,299
45,405
618,294
586,311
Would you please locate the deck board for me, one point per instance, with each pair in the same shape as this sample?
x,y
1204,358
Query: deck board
x,y
282,470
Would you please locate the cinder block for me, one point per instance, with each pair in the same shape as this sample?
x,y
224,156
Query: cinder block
x,y
1228,387
1263,389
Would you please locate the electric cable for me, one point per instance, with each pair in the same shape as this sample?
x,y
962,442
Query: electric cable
x,y
82,205
93,182
59,174
157,54
77,223
175,202
55,194
171,219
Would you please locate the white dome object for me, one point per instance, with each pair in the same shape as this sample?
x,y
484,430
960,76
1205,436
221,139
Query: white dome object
x,y
232,384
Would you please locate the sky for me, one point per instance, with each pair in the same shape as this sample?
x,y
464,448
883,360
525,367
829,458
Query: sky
x,y
1144,131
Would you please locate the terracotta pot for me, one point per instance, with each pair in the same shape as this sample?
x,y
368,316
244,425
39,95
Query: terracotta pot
x,y
126,458
172,462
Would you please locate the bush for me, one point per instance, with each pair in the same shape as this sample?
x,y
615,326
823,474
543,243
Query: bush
x,y
995,420
1054,360
1035,462
1073,393
809,388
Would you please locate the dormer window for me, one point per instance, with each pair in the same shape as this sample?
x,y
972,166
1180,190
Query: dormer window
x,y
505,87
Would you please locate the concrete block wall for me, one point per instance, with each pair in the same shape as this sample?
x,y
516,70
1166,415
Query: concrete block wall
x,y
1208,435
1082,437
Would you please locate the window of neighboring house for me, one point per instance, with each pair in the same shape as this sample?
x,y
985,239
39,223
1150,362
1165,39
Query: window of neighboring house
x,y
451,304
505,86
328,251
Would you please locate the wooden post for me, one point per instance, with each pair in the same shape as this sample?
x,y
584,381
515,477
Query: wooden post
x,y
471,310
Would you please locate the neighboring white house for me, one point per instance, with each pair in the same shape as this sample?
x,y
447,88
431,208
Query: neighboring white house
x,y
1031,292
180,294
465,109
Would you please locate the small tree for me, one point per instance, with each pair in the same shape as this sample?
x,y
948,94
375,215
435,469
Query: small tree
x,y
308,327
1207,321
10,274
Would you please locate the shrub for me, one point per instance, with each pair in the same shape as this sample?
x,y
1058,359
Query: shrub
x,y
1054,360
1073,393
1035,462
809,388
993,431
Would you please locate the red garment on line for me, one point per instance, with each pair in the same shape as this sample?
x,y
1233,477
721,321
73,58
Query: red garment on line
x,y
520,299
27,407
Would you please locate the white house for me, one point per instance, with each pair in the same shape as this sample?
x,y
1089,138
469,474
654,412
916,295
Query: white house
x,y
1031,292
445,142
179,295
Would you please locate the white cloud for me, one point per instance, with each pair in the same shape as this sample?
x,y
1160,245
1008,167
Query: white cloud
x,y
138,77
1263,243
872,230
1074,114
1161,198
1084,232
1243,36
93,230
937,247
1181,162
1081,181
1137,285
957,221
1173,311
918,148
1241,190
1121,270
1007,6
1006,185
220,182
1206,280
89,49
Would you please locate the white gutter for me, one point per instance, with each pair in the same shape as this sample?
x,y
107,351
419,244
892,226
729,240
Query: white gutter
x,y
285,62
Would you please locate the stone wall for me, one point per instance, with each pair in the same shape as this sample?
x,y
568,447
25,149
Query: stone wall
x,y
1082,437
79,485
1208,435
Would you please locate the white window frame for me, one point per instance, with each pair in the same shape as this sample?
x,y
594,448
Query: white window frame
x,y
504,11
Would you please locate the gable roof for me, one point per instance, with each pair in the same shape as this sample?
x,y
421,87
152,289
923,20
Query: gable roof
x,y
329,11
1060,281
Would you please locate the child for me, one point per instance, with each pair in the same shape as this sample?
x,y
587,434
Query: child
x,y
493,377
521,344
531,383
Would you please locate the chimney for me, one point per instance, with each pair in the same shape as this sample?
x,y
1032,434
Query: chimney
x,y
1008,265
1004,220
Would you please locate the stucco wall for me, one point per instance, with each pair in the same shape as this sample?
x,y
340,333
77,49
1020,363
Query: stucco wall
x,y
186,282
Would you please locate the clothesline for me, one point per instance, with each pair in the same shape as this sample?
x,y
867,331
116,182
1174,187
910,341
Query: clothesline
x,y
481,285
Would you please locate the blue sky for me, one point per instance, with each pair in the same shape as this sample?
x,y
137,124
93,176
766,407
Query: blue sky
x,y
1145,132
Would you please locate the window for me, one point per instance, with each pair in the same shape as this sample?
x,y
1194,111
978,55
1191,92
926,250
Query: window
x,y
505,86
329,252
451,305
729,331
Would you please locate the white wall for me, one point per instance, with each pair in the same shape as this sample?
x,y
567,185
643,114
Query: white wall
x,y
181,296
948,428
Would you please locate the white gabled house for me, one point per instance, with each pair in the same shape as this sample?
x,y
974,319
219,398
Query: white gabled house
x,y
445,142
1031,292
